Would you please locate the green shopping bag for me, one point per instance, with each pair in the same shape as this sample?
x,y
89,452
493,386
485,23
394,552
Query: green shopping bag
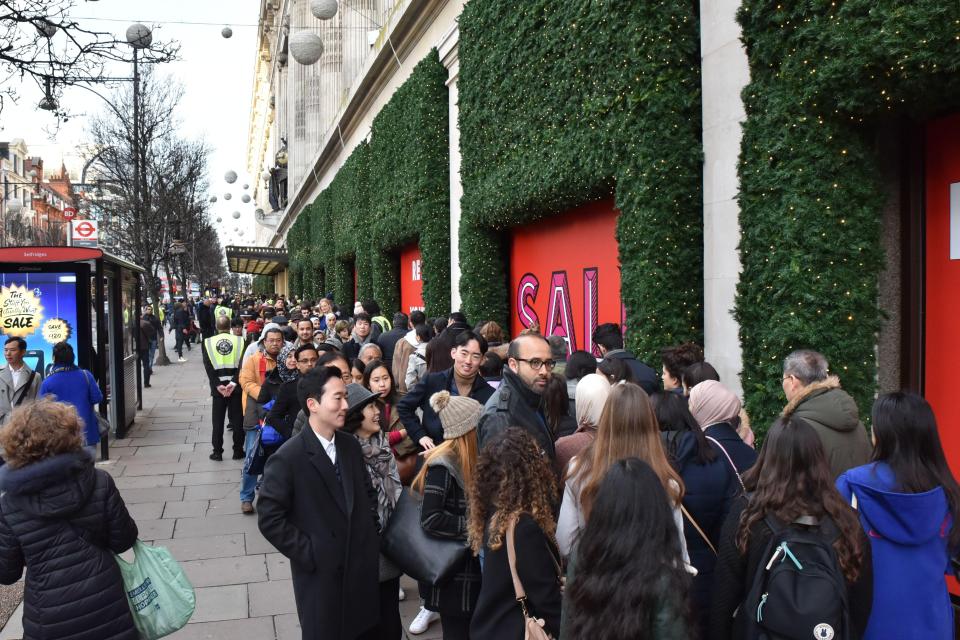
x,y
161,598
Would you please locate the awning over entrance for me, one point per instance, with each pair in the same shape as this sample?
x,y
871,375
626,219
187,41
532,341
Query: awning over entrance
x,y
260,261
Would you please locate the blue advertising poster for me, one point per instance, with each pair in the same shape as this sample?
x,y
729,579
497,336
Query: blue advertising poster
x,y
41,308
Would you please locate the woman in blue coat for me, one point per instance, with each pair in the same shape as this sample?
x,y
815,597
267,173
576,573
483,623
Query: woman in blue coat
x,y
710,486
73,385
907,501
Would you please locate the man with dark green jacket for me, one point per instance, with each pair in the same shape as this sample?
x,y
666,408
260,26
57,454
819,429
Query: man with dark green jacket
x,y
816,396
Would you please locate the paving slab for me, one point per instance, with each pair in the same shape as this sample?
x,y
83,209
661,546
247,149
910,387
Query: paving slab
x,y
205,464
278,566
156,494
225,506
145,450
206,477
256,543
222,546
287,626
215,491
143,482
145,510
185,509
221,603
152,468
273,597
225,571
251,628
214,525
155,529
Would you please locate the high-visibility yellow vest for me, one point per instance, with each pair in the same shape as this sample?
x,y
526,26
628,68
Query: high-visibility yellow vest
x,y
225,352
222,311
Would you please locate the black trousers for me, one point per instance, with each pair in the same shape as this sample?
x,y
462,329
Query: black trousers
x,y
455,627
179,346
232,409
147,369
390,626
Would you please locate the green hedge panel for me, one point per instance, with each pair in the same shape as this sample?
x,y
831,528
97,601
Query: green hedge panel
x,y
560,104
822,74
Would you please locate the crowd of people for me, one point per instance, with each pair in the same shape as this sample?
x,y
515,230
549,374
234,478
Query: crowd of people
x,y
555,494
598,496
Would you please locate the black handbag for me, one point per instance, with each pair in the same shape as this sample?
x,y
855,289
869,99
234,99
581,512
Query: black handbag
x,y
420,555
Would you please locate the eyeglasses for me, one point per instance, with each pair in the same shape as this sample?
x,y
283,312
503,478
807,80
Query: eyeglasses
x,y
536,363
308,361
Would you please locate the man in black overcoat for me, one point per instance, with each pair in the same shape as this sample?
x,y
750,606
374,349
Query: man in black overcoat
x,y
319,509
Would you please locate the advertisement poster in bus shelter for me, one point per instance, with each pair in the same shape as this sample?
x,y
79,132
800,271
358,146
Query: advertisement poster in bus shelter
x,y
41,308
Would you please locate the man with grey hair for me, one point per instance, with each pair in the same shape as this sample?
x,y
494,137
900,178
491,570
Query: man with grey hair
x,y
815,396
370,352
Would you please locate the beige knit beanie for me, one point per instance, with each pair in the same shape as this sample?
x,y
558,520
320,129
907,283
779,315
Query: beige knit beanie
x,y
458,414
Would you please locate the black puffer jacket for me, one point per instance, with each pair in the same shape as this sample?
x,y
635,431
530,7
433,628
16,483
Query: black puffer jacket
x,y
61,518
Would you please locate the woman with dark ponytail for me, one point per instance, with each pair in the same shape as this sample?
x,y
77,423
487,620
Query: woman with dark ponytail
x,y
790,484
908,501
627,579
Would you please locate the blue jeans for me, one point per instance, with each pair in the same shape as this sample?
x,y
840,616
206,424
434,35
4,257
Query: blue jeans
x,y
152,351
248,484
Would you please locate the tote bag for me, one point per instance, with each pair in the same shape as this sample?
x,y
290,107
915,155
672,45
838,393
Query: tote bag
x,y
161,598
421,556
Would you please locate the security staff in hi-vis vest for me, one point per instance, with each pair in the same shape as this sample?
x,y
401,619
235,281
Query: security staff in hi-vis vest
x,y
222,356
223,310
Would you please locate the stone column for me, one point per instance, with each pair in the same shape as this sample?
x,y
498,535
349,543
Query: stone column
x,y
724,74
447,49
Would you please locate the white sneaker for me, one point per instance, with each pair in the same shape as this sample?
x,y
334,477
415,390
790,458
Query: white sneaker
x,y
402,596
181,359
423,621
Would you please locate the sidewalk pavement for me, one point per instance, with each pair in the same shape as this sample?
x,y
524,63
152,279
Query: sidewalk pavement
x,y
190,504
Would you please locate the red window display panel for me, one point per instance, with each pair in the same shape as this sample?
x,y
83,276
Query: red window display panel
x,y
565,274
411,279
942,282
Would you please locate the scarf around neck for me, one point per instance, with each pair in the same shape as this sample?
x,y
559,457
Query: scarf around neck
x,y
384,474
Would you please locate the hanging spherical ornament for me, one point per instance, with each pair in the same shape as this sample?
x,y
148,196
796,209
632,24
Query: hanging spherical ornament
x,y
219,219
227,32
246,186
227,196
323,9
236,215
213,198
258,212
139,36
306,47
240,233
230,176
245,197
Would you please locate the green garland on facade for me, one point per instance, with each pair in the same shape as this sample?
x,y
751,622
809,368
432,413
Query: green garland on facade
x,y
822,74
391,192
562,103
263,285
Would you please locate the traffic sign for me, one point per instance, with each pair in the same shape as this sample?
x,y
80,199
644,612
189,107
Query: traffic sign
x,y
69,213
84,233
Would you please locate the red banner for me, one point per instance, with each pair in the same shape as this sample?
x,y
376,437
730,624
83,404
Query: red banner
x,y
565,274
411,279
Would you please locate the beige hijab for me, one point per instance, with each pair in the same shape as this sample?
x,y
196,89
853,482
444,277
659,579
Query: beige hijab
x,y
711,402
592,392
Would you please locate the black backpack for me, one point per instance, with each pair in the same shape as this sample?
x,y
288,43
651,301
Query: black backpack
x,y
798,591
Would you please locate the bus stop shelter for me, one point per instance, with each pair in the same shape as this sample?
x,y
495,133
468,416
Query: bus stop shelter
x,y
87,298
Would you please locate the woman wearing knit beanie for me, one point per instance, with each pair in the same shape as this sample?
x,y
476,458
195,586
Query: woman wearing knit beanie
x,y
445,481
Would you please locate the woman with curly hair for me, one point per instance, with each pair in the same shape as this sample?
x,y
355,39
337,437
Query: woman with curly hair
x,y
514,487
62,520
627,578
792,483
628,429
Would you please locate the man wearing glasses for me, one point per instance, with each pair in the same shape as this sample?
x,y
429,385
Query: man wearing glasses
x,y
517,402
462,379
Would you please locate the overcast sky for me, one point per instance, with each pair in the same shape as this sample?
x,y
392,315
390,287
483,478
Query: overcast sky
x,y
216,73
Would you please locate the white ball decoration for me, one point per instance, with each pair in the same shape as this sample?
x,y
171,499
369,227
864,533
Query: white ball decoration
x,y
139,36
213,198
227,32
240,233
323,9
246,186
236,215
227,196
245,197
219,219
306,47
230,176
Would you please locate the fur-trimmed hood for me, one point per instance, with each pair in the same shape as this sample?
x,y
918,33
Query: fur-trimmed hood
x,y
825,403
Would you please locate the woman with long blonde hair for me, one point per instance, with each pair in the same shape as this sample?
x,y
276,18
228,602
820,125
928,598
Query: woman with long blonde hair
x,y
445,481
628,429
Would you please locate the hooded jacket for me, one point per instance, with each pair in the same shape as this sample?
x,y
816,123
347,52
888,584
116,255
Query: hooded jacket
x,y
908,535
63,519
834,415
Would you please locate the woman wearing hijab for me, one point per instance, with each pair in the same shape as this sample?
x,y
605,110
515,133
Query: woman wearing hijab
x,y
592,391
286,404
716,408
363,422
